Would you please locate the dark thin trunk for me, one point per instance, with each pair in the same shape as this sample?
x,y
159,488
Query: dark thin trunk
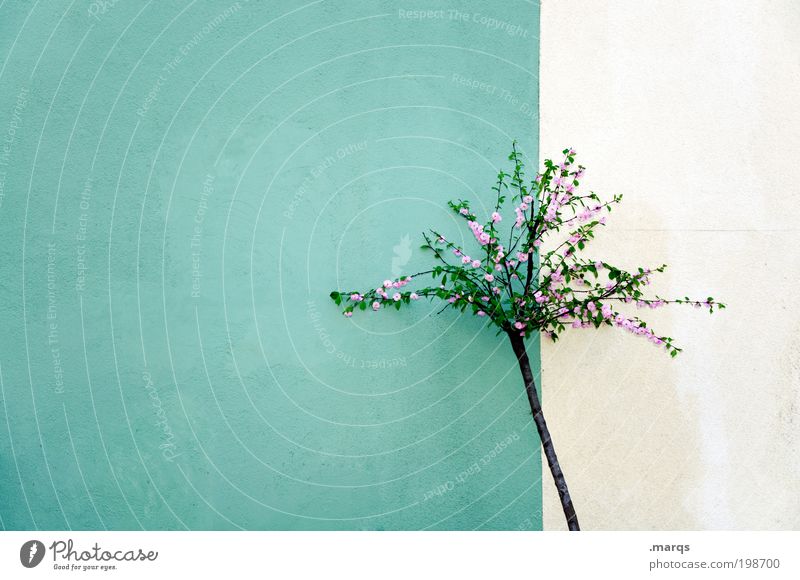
x,y
518,344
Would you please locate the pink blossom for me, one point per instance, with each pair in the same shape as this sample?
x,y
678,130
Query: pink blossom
x,y
463,211
485,298
522,256
396,296
519,325
480,235
527,199
520,217
376,305
387,283
480,313
466,260
591,307
348,314
414,296
489,278
476,263
496,217
356,297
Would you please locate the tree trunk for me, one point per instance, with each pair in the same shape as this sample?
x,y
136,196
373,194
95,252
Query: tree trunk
x,y
518,344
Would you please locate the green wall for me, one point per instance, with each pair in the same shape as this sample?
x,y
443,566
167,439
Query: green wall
x,y
181,186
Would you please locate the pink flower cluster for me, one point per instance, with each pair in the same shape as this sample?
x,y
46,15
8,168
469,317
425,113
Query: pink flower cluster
x,y
520,217
477,229
635,327
558,200
499,256
590,212
521,209
650,303
381,290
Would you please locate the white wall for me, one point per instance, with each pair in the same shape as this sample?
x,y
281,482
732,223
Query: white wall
x,y
692,111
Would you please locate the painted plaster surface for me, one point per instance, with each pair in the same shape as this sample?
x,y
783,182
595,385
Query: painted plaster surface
x,y
690,110
182,185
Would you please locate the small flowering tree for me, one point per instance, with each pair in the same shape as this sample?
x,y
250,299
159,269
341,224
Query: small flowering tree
x,y
509,280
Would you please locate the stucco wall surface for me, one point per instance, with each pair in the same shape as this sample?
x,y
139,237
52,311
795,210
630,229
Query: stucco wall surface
x,y
690,110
